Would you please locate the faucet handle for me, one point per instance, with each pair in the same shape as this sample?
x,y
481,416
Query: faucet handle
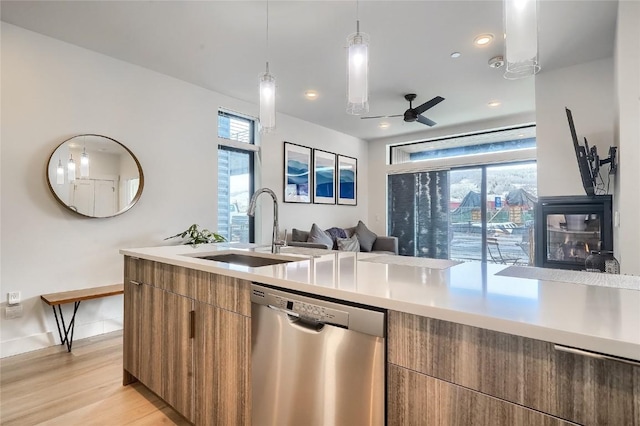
x,y
285,237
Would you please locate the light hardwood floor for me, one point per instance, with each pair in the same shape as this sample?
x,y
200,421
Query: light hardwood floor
x,y
84,387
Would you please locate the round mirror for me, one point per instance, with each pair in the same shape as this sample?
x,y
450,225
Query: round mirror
x,y
95,176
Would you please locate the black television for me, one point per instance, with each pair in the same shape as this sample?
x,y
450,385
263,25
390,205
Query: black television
x,y
582,154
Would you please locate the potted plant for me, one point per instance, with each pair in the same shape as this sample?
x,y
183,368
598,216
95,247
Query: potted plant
x,y
195,236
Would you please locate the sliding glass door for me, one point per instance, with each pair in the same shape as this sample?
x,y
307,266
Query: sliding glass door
x,y
481,213
466,213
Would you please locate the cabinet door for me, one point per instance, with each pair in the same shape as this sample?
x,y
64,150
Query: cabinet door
x,y
421,400
131,338
223,349
177,362
150,329
521,370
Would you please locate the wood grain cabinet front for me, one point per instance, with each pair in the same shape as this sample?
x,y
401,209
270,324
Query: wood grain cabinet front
x,y
177,359
416,399
528,372
187,337
223,381
142,350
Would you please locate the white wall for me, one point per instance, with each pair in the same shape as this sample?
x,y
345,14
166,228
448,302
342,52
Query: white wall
x,y
587,90
51,91
627,129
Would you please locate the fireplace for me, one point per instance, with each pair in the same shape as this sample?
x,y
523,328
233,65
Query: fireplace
x,y
568,228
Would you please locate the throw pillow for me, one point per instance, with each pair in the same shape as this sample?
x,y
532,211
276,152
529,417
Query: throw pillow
x,y
348,244
365,236
298,235
318,236
336,233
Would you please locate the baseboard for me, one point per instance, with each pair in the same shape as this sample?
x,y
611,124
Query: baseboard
x,y
27,344
44,340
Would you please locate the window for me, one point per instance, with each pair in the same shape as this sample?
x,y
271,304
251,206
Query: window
x,y
235,128
236,152
465,198
465,147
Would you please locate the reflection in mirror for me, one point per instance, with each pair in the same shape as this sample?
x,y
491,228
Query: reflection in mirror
x,y
95,176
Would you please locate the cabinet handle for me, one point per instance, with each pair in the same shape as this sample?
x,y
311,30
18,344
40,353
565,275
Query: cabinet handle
x,y
595,355
135,282
192,324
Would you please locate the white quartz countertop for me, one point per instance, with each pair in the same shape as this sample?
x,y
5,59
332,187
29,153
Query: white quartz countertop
x,y
598,318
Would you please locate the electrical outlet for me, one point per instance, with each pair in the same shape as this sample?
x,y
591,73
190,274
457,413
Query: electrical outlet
x,y
12,312
13,298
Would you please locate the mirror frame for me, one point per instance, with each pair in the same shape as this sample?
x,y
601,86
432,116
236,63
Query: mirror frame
x,y
135,159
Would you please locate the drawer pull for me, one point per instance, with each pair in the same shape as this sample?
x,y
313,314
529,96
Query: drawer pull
x,y
596,355
135,282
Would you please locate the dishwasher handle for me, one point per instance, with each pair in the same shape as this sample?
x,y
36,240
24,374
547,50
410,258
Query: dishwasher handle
x,y
295,320
284,311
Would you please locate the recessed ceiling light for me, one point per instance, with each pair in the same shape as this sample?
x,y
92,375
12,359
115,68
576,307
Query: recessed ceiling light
x,y
384,125
311,95
483,40
456,55
494,104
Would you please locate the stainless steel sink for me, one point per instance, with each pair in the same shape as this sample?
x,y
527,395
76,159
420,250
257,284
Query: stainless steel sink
x,y
251,261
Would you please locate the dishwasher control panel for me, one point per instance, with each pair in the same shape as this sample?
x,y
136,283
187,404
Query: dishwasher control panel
x,y
300,306
310,311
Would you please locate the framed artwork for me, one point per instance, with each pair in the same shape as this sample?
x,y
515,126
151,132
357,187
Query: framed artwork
x,y
324,177
347,180
297,175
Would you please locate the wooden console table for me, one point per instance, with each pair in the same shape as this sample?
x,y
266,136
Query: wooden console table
x,y
75,297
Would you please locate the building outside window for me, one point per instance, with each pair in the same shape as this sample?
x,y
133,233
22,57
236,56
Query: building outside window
x,y
236,151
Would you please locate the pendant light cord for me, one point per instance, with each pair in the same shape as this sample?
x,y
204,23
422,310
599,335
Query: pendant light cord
x,y
357,17
267,50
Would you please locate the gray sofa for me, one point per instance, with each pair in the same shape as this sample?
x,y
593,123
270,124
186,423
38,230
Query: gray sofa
x,y
382,244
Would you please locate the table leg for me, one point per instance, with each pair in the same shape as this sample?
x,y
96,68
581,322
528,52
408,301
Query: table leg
x,y
68,339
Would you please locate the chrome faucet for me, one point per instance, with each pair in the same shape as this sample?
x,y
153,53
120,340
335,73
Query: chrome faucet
x,y
251,211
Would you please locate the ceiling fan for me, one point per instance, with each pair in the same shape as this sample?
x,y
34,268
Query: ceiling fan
x,y
414,114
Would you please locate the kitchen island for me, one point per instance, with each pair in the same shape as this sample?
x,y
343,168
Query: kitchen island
x,y
465,342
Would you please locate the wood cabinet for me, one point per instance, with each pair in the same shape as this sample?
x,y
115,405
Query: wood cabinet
x,y
143,333
223,382
187,337
131,332
151,352
177,359
421,400
523,371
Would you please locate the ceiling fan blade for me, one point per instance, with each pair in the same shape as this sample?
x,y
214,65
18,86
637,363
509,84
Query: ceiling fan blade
x,y
380,116
429,104
424,120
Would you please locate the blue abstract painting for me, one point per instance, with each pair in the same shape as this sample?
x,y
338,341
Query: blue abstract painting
x,y
347,180
297,160
324,166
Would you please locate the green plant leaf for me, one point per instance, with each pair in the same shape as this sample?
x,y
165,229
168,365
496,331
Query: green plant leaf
x,y
194,236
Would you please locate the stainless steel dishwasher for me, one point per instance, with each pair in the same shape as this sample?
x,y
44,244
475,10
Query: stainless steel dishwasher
x,y
315,362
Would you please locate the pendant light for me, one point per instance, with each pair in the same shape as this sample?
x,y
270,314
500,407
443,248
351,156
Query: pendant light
x,y
84,164
60,173
358,71
521,38
267,93
71,169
